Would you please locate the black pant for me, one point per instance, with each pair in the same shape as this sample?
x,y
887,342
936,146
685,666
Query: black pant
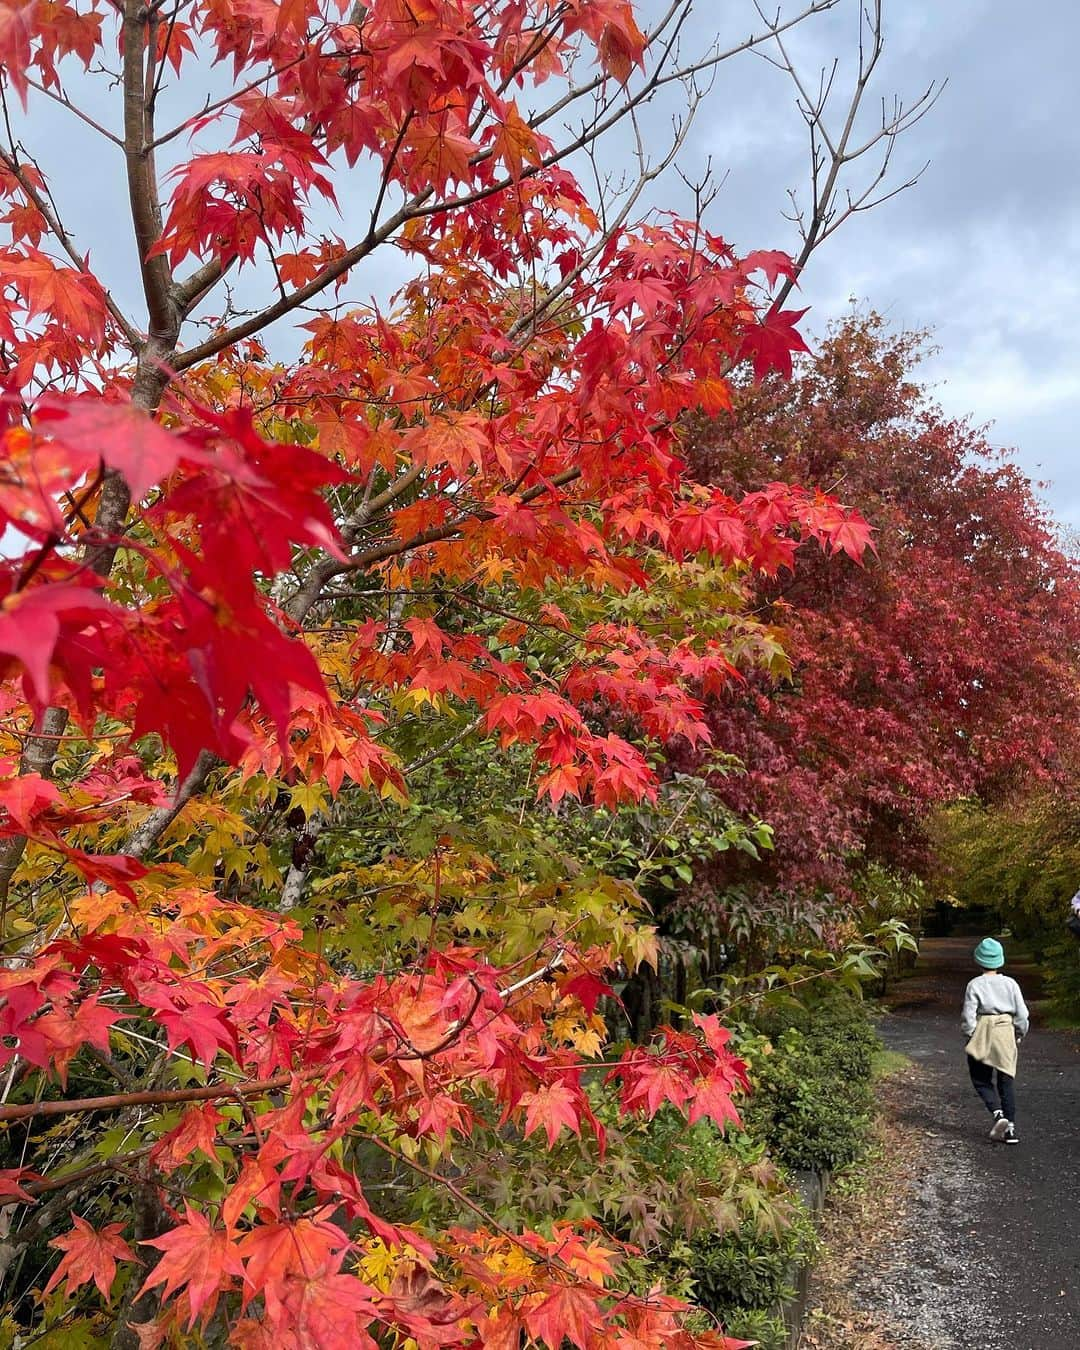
x,y
1003,1098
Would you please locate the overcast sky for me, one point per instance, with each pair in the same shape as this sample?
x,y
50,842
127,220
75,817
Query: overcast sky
x,y
984,250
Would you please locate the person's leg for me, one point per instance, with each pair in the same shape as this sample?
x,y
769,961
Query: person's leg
x,y
982,1078
1007,1095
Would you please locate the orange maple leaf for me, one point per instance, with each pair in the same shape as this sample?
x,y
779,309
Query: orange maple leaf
x,y
198,1256
516,143
72,299
552,1106
273,1252
197,1130
89,1254
567,1314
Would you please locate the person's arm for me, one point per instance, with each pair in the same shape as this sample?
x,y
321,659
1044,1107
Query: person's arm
x,y
970,1012
1021,1019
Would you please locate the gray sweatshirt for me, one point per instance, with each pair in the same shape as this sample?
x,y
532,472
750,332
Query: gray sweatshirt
x,y
993,993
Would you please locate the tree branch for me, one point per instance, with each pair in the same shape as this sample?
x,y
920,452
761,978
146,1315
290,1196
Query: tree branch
x,y
74,109
421,205
826,168
142,178
121,1101
143,838
38,757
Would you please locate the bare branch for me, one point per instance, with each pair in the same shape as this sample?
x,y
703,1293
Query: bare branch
x,y
681,10
64,102
831,144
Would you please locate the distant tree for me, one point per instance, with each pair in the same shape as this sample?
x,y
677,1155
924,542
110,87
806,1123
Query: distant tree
x,y
1020,859
946,665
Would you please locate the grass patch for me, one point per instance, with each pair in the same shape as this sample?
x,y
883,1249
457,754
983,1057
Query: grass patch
x,y
888,1063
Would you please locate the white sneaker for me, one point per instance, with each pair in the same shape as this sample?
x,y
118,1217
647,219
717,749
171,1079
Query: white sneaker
x,y
1000,1128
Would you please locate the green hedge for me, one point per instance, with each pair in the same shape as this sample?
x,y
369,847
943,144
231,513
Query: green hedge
x,y
813,1098
712,1214
811,1111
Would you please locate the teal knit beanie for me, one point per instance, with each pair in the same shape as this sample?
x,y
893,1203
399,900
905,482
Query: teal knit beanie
x,y
990,954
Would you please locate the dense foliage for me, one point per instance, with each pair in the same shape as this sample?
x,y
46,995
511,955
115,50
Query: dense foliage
x,y
356,700
897,699
1020,861
813,1101
269,1020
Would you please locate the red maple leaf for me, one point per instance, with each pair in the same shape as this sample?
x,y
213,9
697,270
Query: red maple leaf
x,y
10,1183
197,1130
552,1106
32,621
772,262
770,343
89,1254
588,989
204,1027
26,797
853,537
275,1252
330,1312
73,299
119,434
569,1313
293,1268
197,1258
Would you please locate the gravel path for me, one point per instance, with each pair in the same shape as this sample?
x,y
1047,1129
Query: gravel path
x,y
986,1255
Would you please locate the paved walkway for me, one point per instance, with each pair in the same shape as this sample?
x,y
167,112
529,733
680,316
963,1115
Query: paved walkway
x,y
988,1257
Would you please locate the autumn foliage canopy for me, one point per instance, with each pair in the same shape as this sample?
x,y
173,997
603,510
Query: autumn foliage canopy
x,y
946,668
235,586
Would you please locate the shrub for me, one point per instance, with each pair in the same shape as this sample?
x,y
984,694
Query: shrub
x,y
713,1213
748,1269
813,1097
741,1267
1061,966
766,1329
812,1066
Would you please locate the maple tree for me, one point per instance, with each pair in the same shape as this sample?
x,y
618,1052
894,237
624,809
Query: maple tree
x,y
238,591
898,698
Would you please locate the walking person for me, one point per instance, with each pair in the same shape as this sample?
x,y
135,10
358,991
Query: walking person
x,y
1072,923
994,1021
